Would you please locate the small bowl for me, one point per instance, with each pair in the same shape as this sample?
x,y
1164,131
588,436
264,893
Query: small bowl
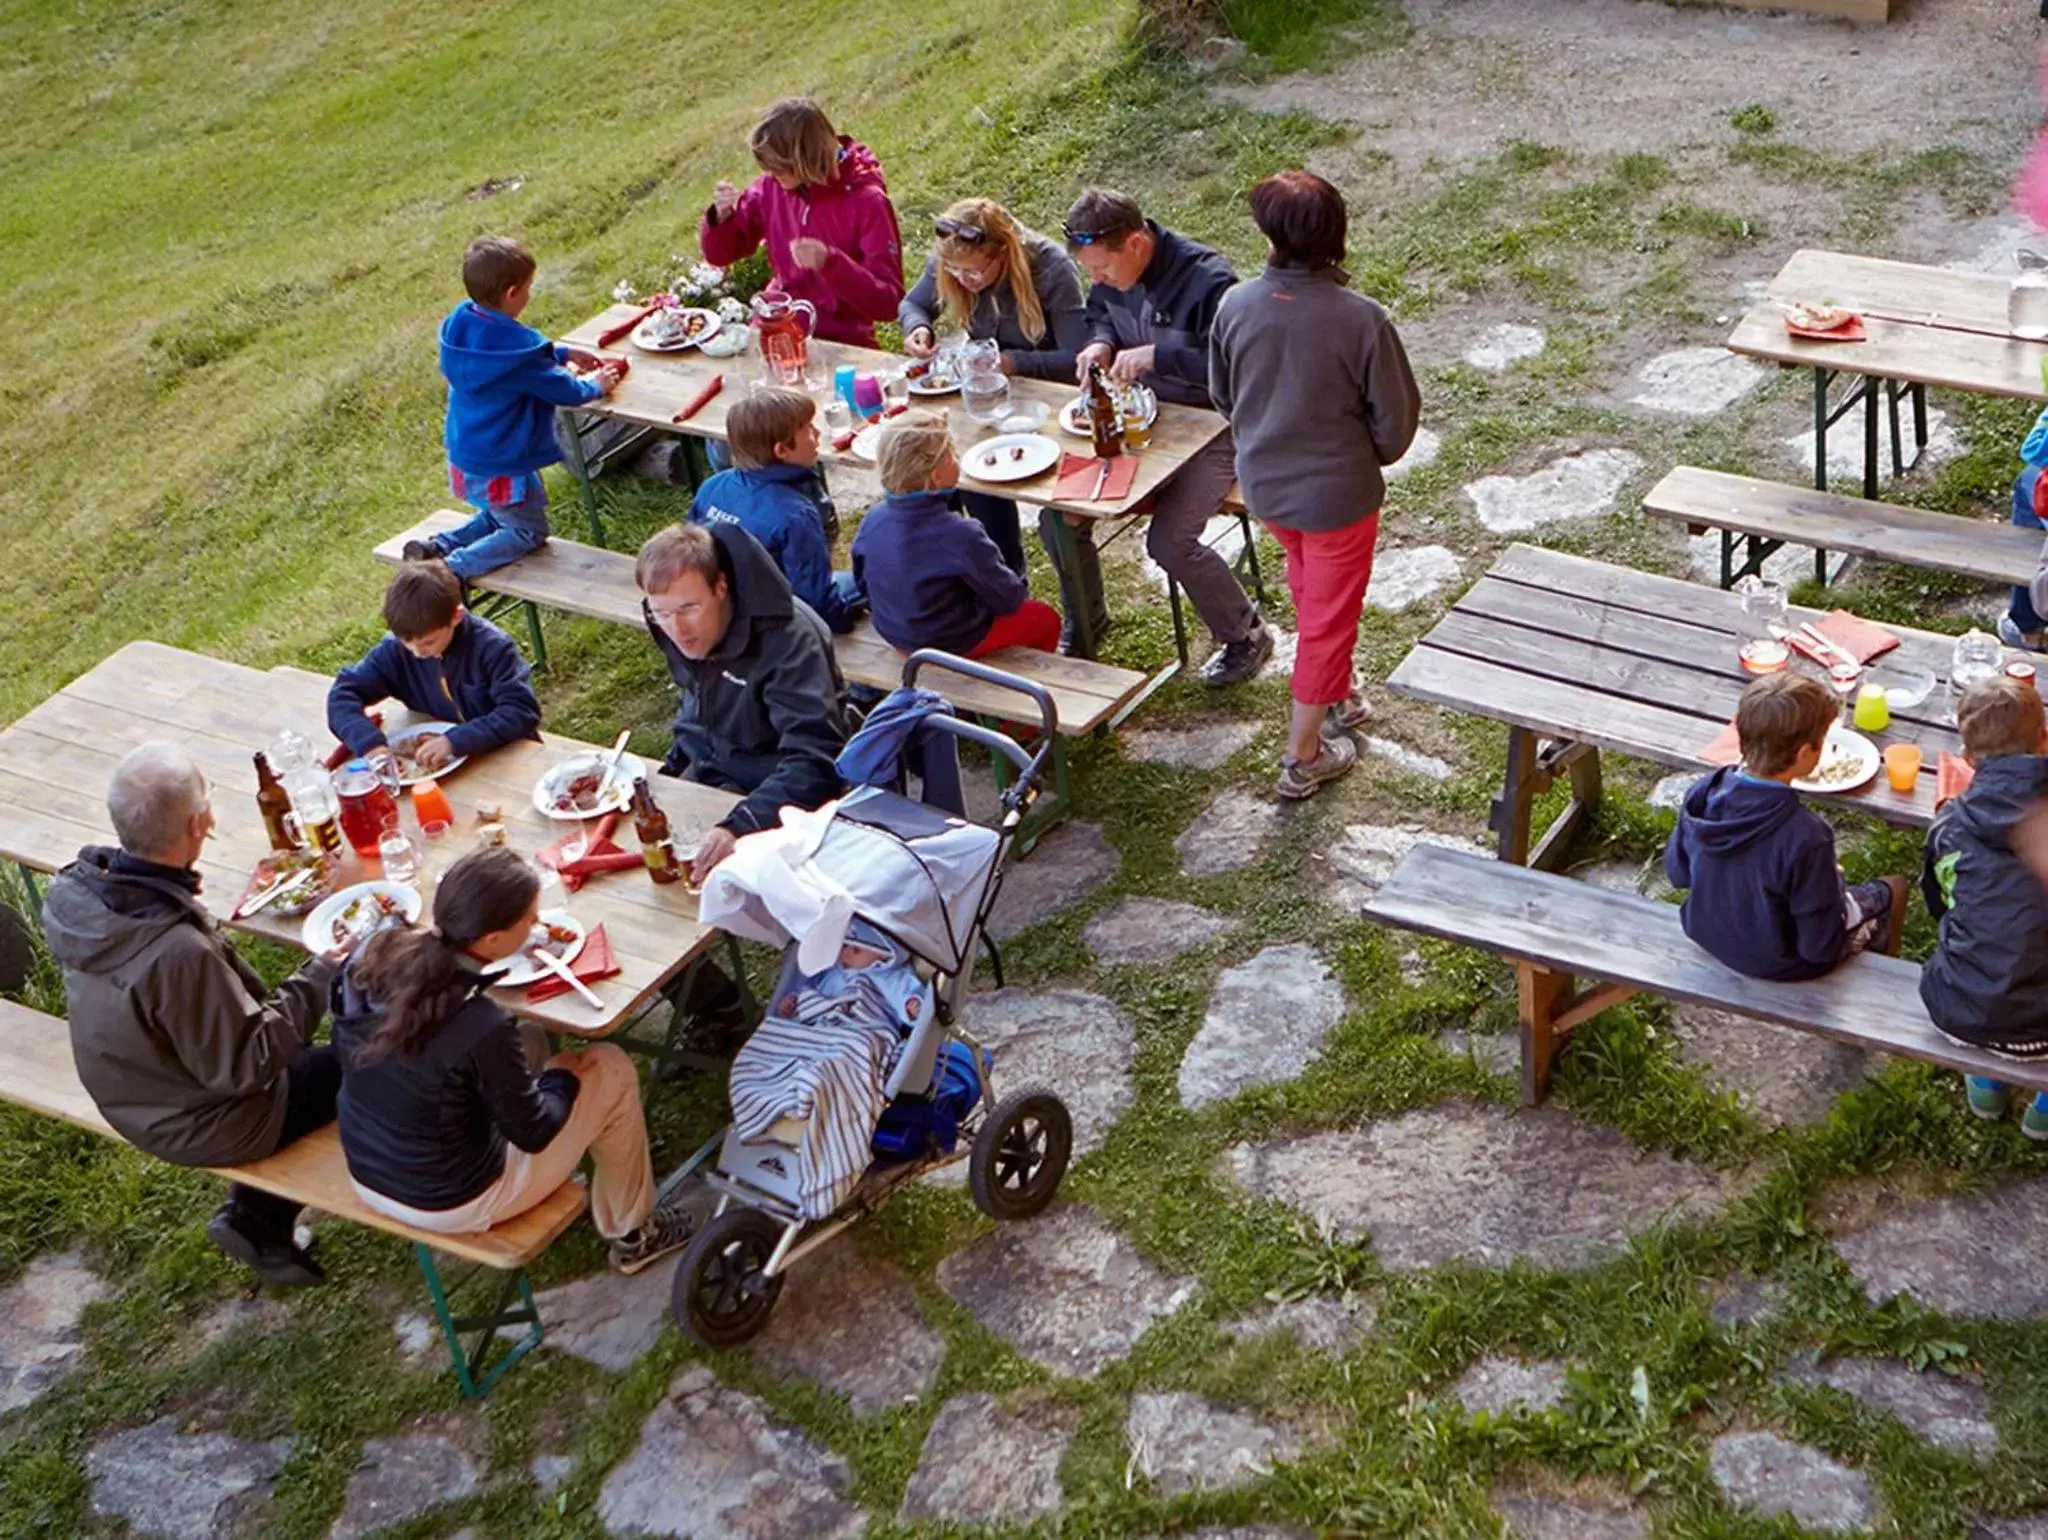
x,y
1904,688
1024,417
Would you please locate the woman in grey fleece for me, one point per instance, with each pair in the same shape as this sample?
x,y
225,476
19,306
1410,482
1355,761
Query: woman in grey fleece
x,y
1319,395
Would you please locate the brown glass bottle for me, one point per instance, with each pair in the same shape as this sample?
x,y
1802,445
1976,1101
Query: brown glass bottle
x,y
1105,417
650,823
275,805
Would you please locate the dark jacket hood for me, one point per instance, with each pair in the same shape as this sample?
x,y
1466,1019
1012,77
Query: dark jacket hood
x,y
102,918
2002,789
1729,811
481,348
858,167
760,593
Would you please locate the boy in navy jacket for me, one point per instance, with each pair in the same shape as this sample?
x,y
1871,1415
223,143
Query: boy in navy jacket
x,y
774,494
504,382
1766,895
933,576
441,662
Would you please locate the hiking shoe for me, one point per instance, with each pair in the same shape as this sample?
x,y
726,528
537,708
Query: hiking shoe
x,y
1895,921
418,550
666,1230
2035,1122
275,1261
1347,716
1988,1098
1305,777
2010,634
1239,661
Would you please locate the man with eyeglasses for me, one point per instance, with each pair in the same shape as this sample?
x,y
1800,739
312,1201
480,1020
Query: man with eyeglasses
x,y
1153,300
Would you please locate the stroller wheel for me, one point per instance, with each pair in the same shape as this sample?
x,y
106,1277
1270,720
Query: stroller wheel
x,y
1020,1154
721,1296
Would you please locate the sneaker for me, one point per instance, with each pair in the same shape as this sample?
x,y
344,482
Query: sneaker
x,y
1305,777
1988,1098
666,1230
2010,634
1239,661
2035,1123
1347,716
277,1262
418,550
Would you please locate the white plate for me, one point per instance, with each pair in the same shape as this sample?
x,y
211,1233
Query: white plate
x,y
1074,415
643,339
317,935
425,730
925,385
864,442
991,459
1842,740
520,969
728,342
615,798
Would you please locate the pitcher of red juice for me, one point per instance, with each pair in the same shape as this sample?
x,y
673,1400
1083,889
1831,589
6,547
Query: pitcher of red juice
x,y
784,327
366,806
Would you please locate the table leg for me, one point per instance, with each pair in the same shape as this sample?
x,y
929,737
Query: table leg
x,y
1532,768
1510,817
1069,558
1919,394
1871,390
1891,401
579,466
1822,378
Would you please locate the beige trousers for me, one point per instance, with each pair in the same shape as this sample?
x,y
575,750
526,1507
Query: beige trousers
x,y
605,1121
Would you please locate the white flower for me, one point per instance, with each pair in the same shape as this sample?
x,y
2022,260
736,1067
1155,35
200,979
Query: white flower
x,y
731,311
623,289
687,290
704,275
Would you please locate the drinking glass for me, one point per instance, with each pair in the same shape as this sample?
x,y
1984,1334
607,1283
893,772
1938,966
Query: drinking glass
x,y
839,425
895,393
553,896
401,861
978,353
985,393
1764,626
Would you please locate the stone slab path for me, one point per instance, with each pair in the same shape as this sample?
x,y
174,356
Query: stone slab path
x,y
1152,930
1693,382
983,1465
1076,1042
1227,835
1322,1323
1364,855
1183,1443
1406,575
1499,346
1955,1254
1502,1386
1948,1411
1580,486
1071,862
41,1340
1207,747
1768,1474
401,1478
1266,1022
1472,1183
1548,1518
1781,1077
851,1323
170,1485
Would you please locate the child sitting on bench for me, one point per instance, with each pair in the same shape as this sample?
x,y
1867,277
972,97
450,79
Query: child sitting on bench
x,y
1987,983
1766,895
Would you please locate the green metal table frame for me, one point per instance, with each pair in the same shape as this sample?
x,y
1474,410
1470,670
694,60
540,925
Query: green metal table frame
x,y
476,1371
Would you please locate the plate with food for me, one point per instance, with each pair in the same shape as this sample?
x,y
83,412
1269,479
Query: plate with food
x,y
1074,415
296,879
404,746
576,788
556,931
726,342
345,919
673,328
1847,760
933,379
1818,315
1011,457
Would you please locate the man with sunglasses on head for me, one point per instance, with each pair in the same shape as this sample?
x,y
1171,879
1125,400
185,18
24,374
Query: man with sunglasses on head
x,y
1149,312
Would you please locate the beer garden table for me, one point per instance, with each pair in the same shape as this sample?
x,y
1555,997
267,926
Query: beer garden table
x,y
56,762
659,385
1576,656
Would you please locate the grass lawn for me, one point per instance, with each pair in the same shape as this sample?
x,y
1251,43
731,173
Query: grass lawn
x,y
229,236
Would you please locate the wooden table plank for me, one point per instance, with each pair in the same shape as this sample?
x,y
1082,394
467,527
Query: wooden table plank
x,y
660,384
56,761
1902,291
1894,350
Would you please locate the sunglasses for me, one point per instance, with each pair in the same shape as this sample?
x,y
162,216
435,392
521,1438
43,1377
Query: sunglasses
x,y
952,229
1080,237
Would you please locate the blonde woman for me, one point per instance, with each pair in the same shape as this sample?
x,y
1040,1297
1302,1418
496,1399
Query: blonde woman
x,y
822,209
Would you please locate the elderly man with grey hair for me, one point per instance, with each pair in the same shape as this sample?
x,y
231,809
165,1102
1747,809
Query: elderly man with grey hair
x,y
176,1039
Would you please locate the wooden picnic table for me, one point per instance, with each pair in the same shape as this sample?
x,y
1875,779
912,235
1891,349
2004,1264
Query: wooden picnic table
x,y
1923,326
57,760
1576,656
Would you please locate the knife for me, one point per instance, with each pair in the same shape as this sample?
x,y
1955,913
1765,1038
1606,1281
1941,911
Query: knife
x,y
1101,481
1828,643
560,969
291,882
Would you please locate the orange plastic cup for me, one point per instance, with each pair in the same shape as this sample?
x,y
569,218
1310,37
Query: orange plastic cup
x,y
430,806
1902,765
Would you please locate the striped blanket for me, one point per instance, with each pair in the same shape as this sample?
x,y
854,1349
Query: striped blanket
x,y
829,1064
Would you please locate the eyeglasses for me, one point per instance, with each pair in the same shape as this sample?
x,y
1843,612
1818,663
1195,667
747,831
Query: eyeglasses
x,y
952,229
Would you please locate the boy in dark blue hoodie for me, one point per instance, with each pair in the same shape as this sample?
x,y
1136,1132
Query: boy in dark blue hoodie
x,y
504,382
1987,983
774,494
442,662
1766,895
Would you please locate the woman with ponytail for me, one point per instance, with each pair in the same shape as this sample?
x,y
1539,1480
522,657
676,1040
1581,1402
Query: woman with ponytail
x,y
444,1125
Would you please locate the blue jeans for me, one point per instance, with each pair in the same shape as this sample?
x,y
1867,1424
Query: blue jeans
x,y
496,537
2022,610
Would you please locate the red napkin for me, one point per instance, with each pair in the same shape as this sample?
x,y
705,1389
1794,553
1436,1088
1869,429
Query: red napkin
x,y
1725,749
697,402
601,855
342,752
1077,479
1849,331
1858,636
612,334
594,962
1952,777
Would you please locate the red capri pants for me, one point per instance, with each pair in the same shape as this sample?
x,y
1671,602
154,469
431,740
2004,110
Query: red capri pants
x,y
1327,573
1034,624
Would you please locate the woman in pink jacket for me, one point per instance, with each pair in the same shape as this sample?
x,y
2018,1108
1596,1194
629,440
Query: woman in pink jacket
x,y
826,217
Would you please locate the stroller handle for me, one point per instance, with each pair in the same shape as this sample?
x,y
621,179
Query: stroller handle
x,y
1048,713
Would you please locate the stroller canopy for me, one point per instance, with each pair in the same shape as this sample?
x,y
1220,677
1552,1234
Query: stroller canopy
x,y
913,871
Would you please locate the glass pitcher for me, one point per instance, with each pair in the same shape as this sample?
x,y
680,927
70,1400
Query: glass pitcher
x,y
784,327
1977,657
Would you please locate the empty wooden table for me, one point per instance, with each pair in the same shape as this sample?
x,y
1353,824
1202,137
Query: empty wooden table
x,y
1576,656
56,762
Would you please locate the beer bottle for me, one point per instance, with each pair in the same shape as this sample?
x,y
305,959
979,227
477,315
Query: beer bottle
x,y
275,806
650,823
1105,417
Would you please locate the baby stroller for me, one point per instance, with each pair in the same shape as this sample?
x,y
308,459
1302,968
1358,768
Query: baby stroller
x,y
901,1087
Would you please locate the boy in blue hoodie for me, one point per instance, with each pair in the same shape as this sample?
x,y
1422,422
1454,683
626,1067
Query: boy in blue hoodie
x,y
2022,625
1766,895
774,494
441,662
504,382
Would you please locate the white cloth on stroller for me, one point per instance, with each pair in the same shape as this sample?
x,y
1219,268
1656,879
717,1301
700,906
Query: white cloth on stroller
x,y
829,1066
773,868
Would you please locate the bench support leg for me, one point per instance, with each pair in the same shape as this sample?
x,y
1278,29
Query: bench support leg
x,y
1250,560
1532,767
579,466
1550,1007
514,1306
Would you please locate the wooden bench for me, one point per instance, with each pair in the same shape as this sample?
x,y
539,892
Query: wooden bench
x,y
1557,932
37,1072
1766,515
